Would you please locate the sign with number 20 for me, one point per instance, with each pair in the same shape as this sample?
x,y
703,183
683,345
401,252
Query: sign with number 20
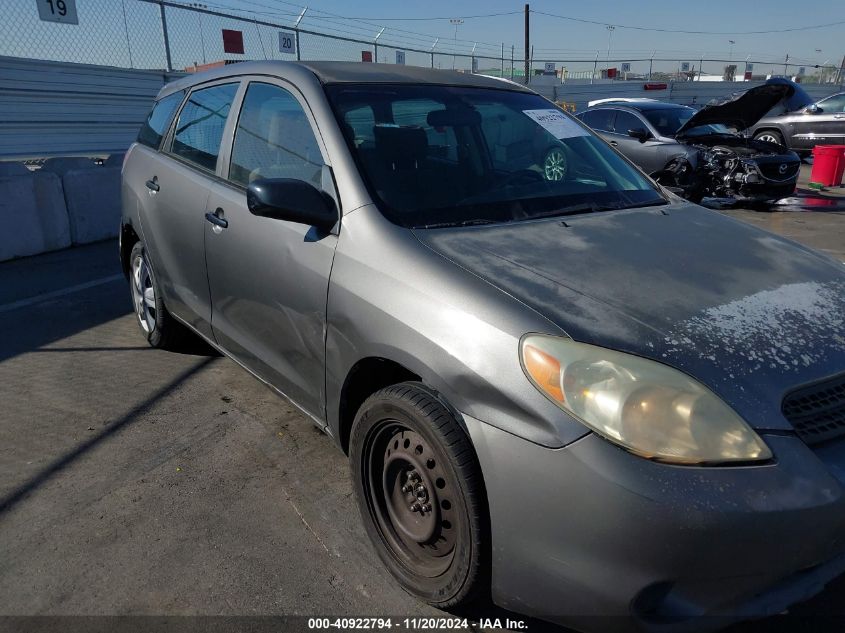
x,y
287,42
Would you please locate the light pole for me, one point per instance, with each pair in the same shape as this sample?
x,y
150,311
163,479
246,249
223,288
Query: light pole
x,y
823,72
610,30
731,54
199,5
457,22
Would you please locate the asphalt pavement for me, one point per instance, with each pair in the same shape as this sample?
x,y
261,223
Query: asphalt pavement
x,y
140,482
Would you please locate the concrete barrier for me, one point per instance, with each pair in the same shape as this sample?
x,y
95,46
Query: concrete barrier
x,y
13,169
63,164
33,215
92,197
115,160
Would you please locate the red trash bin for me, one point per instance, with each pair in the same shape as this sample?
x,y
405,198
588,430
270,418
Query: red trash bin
x,y
828,165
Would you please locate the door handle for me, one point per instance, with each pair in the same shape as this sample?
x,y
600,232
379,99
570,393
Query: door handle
x,y
216,220
152,185
614,143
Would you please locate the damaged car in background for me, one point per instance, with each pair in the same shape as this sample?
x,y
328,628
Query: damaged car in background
x,y
698,152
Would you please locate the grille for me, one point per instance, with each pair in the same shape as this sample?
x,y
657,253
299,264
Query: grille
x,y
772,170
817,411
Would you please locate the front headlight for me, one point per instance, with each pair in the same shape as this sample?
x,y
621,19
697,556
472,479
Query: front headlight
x,y
647,407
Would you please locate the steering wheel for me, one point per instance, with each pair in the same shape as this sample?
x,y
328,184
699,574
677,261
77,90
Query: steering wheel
x,y
520,177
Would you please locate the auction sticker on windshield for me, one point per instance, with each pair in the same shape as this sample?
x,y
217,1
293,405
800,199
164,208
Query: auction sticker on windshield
x,y
556,123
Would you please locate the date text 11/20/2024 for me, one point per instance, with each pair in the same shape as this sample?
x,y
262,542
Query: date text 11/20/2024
x,y
415,624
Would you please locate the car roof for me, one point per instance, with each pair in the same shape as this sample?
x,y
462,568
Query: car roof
x,y
346,72
642,106
639,105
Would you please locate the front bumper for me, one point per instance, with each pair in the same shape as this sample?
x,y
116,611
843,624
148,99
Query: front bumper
x,y
760,183
595,538
765,191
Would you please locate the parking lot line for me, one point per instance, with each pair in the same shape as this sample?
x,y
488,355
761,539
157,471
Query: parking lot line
x,y
22,303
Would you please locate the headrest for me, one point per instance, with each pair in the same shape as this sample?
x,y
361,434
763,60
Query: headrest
x,y
453,117
401,144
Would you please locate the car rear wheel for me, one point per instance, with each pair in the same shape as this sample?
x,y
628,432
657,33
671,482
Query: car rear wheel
x,y
160,329
769,136
420,493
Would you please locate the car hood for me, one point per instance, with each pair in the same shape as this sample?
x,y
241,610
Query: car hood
x,y
744,109
745,312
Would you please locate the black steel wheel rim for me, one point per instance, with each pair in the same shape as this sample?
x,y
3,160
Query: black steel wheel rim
x,y
412,499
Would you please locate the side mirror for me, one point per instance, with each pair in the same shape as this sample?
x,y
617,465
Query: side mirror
x,y
291,200
813,108
641,134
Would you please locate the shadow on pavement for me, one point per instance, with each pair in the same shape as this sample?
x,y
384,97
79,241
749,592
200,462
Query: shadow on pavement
x,y
22,491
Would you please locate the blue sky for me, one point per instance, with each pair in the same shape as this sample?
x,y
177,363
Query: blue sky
x,y
549,33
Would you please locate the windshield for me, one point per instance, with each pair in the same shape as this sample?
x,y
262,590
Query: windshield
x,y
668,121
834,103
443,155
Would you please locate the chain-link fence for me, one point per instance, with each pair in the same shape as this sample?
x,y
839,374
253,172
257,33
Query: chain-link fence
x,y
669,69
160,34
164,34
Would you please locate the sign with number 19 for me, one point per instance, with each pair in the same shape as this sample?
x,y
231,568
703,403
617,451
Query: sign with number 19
x,y
63,11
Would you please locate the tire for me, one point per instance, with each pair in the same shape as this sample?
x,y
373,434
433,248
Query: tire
x,y
160,329
770,136
404,435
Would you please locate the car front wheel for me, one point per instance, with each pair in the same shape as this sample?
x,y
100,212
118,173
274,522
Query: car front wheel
x,y
421,495
769,136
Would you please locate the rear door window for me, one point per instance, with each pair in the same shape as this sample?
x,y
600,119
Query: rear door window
x,y
155,127
200,125
601,120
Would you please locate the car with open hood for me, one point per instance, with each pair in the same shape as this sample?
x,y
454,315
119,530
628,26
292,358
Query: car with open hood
x,y
700,151
571,389
800,123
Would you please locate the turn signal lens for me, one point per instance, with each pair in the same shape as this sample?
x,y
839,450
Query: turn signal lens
x,y
545,370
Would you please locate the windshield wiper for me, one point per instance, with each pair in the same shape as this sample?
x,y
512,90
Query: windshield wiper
x,y
575,209
636,205
592,207
474,222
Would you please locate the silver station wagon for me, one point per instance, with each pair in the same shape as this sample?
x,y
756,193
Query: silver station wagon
x,y
555,380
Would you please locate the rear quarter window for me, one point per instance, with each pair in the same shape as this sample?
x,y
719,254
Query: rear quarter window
x,y
159,119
